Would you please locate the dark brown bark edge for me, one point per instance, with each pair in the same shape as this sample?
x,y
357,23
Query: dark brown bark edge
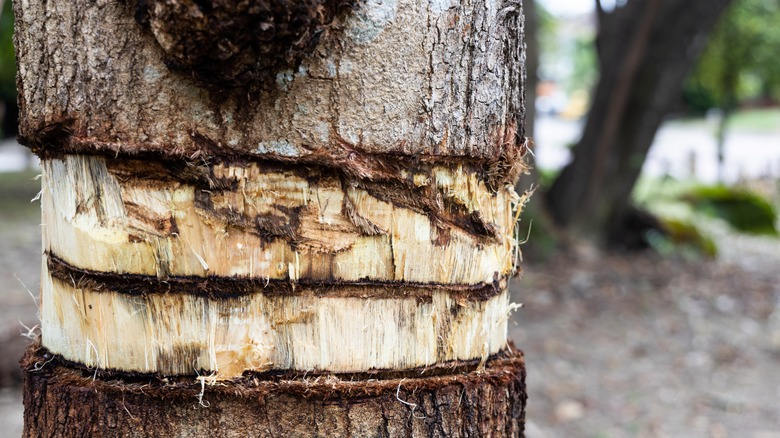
x,y
63,401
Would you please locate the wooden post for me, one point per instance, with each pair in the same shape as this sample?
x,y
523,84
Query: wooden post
x,y
271,218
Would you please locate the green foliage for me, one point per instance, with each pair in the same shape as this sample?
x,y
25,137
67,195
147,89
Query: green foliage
x,y
568,51
548,27
7,59
698,97
681,236
742,209
741,60
546,177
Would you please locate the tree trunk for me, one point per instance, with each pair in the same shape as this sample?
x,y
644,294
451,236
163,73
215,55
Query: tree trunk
x,y
61,401
646,49
274,219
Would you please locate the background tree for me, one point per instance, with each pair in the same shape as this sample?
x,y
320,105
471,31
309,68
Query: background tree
x,y
646,49
8,109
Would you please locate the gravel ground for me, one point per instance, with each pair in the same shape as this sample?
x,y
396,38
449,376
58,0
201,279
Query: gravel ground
x,y
616,345
639,345
20,258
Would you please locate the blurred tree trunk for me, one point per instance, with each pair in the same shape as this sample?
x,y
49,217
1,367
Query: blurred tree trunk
x,y
539,237
646,50
274,218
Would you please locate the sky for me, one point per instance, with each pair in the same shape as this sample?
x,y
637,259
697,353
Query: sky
x,y
571,7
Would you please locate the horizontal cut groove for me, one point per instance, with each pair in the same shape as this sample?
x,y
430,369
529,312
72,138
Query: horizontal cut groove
x,y
233,287
55,141
501,365
46,358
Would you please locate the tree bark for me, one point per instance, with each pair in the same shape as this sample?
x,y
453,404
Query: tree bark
x,y
303,214
646,48
65,402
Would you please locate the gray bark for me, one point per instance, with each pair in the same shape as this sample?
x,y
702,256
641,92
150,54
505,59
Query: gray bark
x,y
402,77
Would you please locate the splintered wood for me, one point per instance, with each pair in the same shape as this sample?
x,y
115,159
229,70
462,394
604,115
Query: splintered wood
x,y
275,225
177,334
308,270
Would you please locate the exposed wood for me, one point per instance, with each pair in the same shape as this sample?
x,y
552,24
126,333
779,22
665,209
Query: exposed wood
x,y
444,227
126,222
175,334
62,402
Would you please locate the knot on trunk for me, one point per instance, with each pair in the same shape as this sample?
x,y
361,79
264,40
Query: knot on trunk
x,y
232,42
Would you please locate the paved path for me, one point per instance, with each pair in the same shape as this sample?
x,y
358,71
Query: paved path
x,y
14,157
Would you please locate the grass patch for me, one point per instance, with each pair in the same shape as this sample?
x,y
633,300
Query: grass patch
x,y
758,120
745,211
764,120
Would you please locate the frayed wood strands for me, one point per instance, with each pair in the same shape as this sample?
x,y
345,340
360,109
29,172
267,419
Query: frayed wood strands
x,y
277,225
184,334
222,269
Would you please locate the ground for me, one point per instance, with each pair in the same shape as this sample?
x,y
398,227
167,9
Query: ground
x,y
640,345
616,345
20,259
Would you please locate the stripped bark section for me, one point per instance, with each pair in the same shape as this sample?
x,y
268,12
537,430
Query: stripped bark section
x,y
174,334
65,402
444,226
235,287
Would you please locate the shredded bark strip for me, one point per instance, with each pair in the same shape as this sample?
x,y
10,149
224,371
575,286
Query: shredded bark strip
x,y
185,333
233,287
38,359
56,140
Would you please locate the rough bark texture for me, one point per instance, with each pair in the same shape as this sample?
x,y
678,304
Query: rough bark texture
x,y
64,402
397,77
274,187
646,49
